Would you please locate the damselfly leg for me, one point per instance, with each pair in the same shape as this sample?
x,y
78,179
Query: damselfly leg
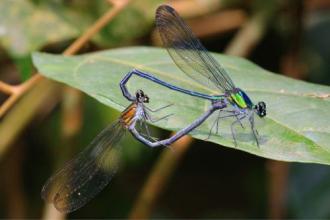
x,y
239,119
159,109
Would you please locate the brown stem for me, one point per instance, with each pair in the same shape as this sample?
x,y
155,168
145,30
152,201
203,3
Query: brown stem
x,y
96,27
16,92
158,178
218,23
7,130
248,37
6,88
193,8
72,49
71,112
278,178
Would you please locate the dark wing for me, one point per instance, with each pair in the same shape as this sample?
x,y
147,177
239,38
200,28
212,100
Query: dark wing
x,y
87,174
187,51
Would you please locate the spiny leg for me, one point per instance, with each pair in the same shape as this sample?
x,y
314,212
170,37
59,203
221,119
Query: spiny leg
x,y
237,113
146,128
233,132
210,133
218,119
143,123
148,117
148,135
233,114
239,122
216,122
254,130
158,109
159,119
140,123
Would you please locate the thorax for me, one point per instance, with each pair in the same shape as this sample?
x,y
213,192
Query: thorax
x,y
240,99
131,114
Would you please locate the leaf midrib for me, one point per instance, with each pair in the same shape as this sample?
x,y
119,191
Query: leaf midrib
x,y
149,69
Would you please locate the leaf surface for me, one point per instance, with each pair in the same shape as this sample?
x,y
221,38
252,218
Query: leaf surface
x,y
296,127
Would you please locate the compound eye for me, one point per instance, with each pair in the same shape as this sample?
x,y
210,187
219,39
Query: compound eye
x,y
261,109
139,94
263,105
146,99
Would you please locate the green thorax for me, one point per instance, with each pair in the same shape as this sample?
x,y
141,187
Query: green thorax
x,y
238,99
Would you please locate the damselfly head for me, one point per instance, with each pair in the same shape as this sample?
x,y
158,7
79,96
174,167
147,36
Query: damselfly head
x,y
260,109
141,97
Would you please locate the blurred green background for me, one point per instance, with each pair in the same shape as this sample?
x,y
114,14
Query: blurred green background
x,y
209,181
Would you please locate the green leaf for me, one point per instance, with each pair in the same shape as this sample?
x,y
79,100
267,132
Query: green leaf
x,y
296,128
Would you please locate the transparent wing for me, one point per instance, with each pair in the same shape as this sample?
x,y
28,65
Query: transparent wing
x,y
87,174
187,51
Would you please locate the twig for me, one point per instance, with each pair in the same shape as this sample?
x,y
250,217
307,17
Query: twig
x,y
118,6
251,33
71,112
119,3
18,118
17,91
193,8
8,89
158,178
278,178
218,23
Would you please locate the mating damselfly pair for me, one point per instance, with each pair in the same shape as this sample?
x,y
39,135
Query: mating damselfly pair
x,y
90,171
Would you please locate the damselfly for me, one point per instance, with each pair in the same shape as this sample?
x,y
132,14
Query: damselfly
x,y
82,178
196,62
